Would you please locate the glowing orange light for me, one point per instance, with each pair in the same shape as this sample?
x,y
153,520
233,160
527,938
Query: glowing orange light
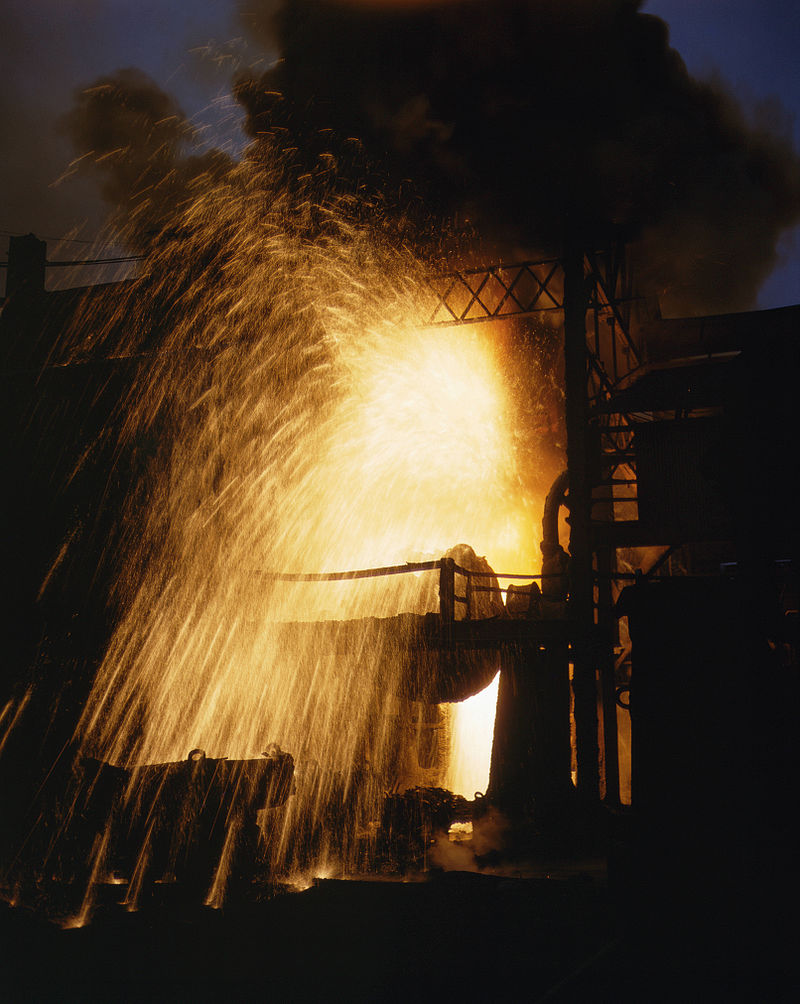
x,y
325,429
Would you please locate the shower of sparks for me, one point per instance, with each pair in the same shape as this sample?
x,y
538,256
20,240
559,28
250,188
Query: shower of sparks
x,y
292,413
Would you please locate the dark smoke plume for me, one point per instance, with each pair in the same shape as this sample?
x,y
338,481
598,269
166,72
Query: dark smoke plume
x,y
139,144
517,119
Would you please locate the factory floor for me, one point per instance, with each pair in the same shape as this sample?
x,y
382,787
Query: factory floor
x,y
558,936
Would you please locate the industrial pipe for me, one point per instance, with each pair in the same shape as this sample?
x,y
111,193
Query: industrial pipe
x,y
555,560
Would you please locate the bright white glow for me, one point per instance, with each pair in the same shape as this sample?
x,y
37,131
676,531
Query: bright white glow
x,y
472,729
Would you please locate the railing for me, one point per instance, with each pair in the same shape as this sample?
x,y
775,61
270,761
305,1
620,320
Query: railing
x,y
448,570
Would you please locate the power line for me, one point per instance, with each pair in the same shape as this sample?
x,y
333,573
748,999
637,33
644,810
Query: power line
x,y
96,261
63,240
88,261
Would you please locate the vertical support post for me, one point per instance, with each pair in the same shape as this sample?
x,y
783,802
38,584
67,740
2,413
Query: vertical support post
x,y
27,257
580,609
529,774
607,625
447,596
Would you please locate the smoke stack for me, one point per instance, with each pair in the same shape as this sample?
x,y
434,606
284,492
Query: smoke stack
x,y
27,257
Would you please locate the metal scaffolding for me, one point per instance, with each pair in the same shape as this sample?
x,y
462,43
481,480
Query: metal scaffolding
x,y
593,294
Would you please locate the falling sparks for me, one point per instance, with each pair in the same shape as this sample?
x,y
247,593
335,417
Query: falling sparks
x,y
298,417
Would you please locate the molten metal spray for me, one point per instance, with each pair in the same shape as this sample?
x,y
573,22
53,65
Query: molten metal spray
x,y
292,413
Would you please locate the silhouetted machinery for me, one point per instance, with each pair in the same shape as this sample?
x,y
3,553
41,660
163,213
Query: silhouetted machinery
x,y
177,821
681,440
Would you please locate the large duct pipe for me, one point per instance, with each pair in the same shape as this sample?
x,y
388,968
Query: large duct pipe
x,y
555,560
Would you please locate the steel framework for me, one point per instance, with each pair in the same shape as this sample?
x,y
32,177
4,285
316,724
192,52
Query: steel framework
x,y
593,294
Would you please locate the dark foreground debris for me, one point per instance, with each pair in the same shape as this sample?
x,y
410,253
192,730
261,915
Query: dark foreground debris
x,y
450,935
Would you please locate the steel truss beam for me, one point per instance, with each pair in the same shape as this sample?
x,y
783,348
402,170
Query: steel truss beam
x,y
601,350
528,288
497,291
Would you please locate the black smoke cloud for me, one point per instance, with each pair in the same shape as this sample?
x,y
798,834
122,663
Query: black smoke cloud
x,y
49,47
140,146
36,68
522,119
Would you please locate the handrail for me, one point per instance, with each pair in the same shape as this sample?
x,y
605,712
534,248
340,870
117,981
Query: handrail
x,y
362,573
448,569
371,573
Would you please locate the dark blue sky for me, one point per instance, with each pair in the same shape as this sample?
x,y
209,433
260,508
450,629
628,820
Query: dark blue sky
x,y
754,45
53,47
